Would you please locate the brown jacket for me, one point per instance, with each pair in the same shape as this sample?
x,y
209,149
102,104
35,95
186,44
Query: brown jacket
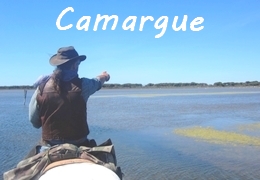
x,y
63,115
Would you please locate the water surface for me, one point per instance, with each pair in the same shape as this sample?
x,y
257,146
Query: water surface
x,y
193,133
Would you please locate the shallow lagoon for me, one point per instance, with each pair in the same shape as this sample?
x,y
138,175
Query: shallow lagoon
x,y
196,133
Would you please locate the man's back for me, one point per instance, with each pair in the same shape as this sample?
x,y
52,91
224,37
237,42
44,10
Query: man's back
x,y
63,114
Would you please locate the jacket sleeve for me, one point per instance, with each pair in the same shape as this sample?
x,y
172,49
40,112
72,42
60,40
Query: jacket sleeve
x,y
89,87
34,115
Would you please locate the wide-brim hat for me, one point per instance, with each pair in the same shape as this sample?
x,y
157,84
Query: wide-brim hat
x,y
64,55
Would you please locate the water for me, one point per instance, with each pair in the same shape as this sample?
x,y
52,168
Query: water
x,y
142,124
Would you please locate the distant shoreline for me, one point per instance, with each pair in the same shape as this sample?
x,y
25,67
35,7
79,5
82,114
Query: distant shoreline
x,y
159,85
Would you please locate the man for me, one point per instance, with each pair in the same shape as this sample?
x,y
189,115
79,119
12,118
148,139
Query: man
x,y
59,103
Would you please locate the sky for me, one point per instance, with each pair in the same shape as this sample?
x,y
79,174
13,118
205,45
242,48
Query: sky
x,y
225,49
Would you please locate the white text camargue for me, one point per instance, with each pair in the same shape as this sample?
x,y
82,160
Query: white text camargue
x,y
130,22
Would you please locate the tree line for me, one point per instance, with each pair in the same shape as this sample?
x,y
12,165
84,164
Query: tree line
x,y
161,85
192,84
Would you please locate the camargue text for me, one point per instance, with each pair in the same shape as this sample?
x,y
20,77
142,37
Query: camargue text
x,y
129,23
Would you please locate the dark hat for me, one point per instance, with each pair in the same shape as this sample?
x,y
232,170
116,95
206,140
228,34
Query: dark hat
x,y
65,54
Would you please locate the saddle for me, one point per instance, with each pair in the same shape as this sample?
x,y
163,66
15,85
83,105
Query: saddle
x,y
33,167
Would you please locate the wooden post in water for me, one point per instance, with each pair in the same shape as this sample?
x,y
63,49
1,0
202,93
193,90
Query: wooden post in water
x,y
25,94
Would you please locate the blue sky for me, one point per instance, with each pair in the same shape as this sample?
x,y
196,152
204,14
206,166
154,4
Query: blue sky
x,y
227,49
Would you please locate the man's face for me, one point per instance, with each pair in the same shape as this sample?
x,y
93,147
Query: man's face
x,y
77,63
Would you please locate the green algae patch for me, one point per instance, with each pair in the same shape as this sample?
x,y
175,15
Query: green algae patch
x,y
249,127
215,136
